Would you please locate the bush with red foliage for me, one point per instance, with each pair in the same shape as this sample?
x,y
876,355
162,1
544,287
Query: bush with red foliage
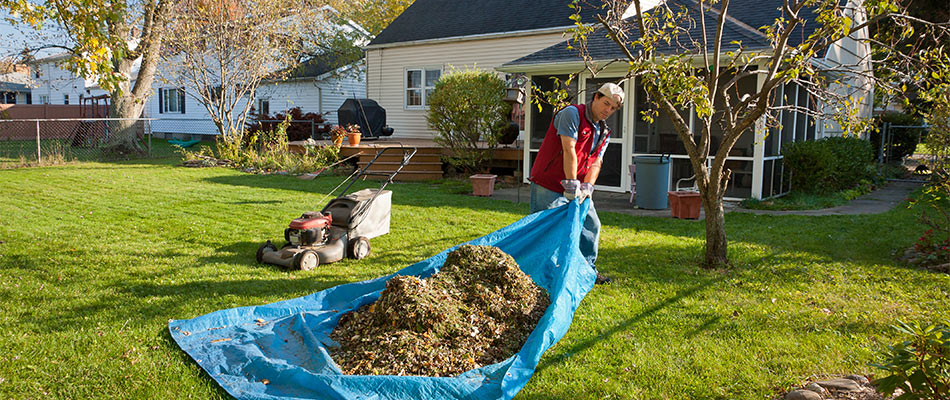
x,y
300,127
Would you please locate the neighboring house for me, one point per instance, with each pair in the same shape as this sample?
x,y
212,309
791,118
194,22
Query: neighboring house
x,y
53,84
502,35
315,86
15,87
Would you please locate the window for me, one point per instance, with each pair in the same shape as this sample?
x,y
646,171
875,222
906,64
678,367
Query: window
x,y
66,99
419,84
44,99
171,100
263,107
36,74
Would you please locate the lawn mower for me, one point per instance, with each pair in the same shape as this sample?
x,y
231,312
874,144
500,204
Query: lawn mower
x,y
343,227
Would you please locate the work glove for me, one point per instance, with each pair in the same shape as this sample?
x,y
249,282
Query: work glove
x,y
587,189
572,188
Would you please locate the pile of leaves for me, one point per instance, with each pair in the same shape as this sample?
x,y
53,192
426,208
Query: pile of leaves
x,y
477,310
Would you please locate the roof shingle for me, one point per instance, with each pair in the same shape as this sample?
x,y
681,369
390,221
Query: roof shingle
x,y
436,19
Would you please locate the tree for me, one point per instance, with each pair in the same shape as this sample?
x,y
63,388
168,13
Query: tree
x,y
372,15
676,51
107,40
224,49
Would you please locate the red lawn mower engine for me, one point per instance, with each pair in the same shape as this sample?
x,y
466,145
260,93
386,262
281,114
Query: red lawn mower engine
x,y
312,228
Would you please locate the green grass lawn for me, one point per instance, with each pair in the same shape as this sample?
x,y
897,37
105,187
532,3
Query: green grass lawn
x,y
95,258
796,201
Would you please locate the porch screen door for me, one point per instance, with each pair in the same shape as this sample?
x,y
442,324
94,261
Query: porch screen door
x,y
612,173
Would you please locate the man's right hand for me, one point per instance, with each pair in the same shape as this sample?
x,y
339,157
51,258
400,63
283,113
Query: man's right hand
x,y
572,188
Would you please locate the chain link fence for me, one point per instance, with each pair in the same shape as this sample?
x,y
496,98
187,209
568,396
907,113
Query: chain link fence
x,y
27,142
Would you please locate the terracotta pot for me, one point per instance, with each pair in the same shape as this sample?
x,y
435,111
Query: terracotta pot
x,y
685,204
353,138
483,184
338,141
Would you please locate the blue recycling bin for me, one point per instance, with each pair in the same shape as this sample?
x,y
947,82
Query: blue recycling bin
x,y
653,181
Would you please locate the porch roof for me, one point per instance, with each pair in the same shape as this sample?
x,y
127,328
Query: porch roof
x,y
742,22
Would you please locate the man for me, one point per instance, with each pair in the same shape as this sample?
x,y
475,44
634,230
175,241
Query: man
x,y
569,161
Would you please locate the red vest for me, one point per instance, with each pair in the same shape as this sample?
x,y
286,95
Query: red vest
x,y
548,168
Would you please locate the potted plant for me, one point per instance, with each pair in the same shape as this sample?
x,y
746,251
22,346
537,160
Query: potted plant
x,y
337,134
353,134
468,111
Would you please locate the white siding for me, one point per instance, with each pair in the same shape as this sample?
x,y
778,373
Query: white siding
x,y
56,82
317,96
305,94
853,53
385,71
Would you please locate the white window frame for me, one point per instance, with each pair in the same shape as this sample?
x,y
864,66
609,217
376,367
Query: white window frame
x,y
165,106
44,99
406,88
260,106
66,99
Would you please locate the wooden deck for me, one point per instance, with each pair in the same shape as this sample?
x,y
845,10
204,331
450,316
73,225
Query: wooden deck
x,y
425,165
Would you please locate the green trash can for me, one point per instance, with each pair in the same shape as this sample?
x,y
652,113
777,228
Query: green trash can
x,y
653,181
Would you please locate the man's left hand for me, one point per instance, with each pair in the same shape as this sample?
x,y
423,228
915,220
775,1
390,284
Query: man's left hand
x,y
587,189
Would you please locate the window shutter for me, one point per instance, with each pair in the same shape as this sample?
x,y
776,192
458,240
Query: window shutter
x,y
181,100
161,104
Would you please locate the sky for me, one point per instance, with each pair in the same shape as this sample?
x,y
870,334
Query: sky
x,y
12,37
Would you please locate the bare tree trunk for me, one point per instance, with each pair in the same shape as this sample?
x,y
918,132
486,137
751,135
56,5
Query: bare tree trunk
x,y
123,139
716,255
128,99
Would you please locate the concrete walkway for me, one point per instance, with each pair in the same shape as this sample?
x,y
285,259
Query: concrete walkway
x,y
876,202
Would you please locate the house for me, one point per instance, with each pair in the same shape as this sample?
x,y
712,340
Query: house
x,y
15,86
431,37
492,30
315,86
319,85
54,84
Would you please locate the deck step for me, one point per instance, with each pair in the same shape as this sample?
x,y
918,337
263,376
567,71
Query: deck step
x,y
412,166
425,158
404,176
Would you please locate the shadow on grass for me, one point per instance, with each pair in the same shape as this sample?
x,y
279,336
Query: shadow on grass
x,y
585,344
404,193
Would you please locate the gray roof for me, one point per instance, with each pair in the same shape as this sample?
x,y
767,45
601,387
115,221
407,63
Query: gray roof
x,y
318,66
437,19
746,17
15,82
14,87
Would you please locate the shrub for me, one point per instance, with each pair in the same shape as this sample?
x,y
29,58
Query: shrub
x,y
810,163
828,165
852,156
903,140
464,108
920,365
268,150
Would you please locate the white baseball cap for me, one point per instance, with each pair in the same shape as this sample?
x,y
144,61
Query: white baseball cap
x,y
611,89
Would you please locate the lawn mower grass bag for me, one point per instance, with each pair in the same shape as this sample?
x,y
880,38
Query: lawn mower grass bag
x,y
281,350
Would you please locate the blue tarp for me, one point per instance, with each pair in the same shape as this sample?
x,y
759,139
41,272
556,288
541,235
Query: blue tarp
x,y
280,350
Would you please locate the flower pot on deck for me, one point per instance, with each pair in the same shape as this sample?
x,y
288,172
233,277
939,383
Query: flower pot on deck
x,y
483,184
685,204
353,138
